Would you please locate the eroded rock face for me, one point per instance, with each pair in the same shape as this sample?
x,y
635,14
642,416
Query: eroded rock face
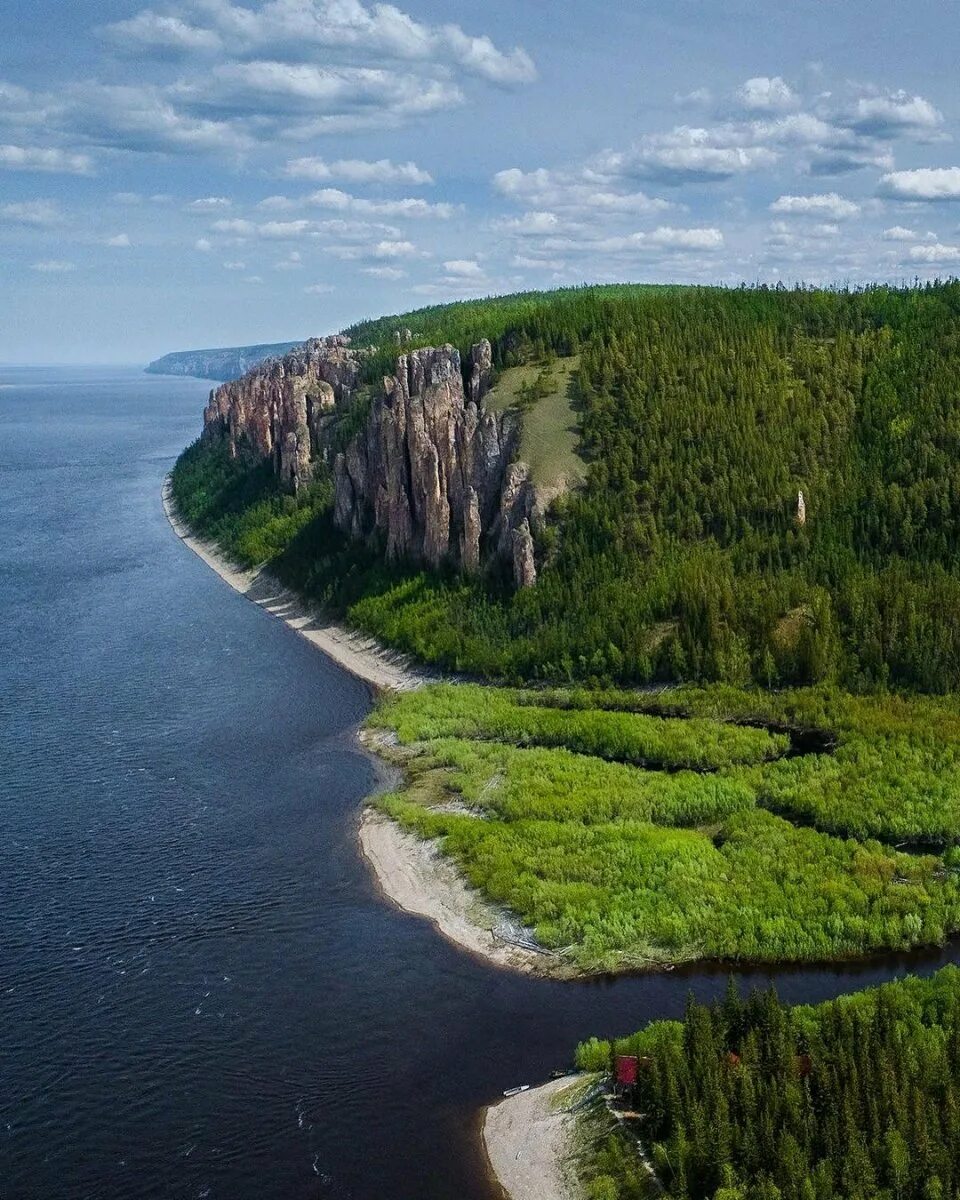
x,y
277,410
431,473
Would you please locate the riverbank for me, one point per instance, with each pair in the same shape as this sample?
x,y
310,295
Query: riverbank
x,y
530,1142
414,875
362,657
410,872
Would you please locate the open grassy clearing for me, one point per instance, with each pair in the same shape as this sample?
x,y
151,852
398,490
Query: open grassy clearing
x,y
539,799
545,395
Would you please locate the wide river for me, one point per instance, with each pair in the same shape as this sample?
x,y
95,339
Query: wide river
x,y
201,992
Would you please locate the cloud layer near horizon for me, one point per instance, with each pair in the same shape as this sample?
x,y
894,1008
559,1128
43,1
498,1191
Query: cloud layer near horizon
x,y
361,141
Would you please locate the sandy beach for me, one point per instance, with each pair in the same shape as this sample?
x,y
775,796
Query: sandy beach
x,y
529,1141
362,657
417,878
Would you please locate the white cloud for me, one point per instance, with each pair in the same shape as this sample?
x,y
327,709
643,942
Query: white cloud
x,y
318,97
897,233
923,183
894,114
686,239
463,268
393,249
209,204
692,155
384,272
40,158
319,289
39,213
585,191
339,201
356,170
119,240
203,245
53,266
933,252
828,204
766,94
237,226
150,29
531,224
281,230
338,26
234,265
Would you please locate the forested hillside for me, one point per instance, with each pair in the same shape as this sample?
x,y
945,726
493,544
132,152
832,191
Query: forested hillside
x,y
753,1100
703,413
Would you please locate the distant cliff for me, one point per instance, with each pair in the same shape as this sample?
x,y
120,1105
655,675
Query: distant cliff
x,y
429,474
226,363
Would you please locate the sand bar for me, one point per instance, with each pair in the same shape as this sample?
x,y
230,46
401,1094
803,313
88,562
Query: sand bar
x,y
529,1140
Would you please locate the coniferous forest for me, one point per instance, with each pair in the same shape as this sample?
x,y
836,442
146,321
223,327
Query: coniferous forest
x,y
702,414
753,1100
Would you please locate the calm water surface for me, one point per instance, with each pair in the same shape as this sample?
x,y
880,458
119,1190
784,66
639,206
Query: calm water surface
x,y
201,993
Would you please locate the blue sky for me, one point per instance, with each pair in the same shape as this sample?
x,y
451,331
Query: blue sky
x,y
218,172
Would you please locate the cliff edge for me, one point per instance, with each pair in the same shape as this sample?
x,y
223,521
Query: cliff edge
x,y
429,474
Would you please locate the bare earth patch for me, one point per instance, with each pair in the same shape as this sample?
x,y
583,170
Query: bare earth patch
x,y
530,1142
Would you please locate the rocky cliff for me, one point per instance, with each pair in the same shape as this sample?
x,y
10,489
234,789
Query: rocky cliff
x,y
431,473
225,363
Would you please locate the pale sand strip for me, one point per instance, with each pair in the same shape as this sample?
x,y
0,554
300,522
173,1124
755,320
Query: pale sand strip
x,y
361,656
529,1140
417,878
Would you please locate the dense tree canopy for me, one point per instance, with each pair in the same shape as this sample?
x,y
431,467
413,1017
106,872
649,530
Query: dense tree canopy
x,y
857,1098
703,413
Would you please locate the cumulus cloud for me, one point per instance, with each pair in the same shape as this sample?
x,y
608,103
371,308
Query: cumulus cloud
x,y
829,204
923,183
894,114
41,158
204,245
301,27
897,233
355,170
463,268
119,241
766,94
691,155
933,253
316,98
319,289
38,213
583,191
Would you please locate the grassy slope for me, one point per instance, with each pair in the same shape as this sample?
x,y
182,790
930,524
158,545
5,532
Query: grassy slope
x,y
550,426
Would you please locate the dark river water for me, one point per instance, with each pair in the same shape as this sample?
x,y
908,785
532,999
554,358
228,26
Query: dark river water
x,y
201,992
